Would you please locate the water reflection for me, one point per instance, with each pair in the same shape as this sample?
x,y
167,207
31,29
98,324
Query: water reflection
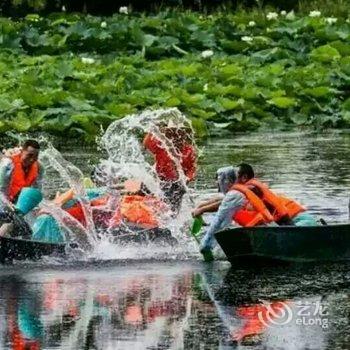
x,y
176,306
120,310
290,307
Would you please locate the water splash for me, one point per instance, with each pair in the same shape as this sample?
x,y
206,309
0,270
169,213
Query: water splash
x,y
125,158
69,177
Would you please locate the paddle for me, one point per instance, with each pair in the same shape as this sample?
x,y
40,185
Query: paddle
x,y
197,225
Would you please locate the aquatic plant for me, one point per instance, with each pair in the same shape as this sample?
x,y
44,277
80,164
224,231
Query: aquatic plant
x,y
72,74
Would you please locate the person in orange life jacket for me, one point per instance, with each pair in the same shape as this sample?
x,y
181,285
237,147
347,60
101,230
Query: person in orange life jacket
x,y
284,211
21,170
250,203
184,152
138,207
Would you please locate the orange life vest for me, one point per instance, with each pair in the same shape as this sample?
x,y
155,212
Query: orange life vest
x,y
256,212
20,179
293,207
248,217
139,210
282,207
77,210
20,343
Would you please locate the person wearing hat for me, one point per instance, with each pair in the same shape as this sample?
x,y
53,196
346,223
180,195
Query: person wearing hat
x,y
20,169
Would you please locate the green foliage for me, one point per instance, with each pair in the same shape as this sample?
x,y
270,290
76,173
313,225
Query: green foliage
x,y
74,74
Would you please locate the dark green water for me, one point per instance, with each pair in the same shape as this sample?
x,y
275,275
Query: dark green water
x,y
189,304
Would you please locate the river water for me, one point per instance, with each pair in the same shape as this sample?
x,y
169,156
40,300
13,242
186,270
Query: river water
x,y
174,304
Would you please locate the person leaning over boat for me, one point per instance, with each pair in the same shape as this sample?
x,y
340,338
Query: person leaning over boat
x,y
248,202
21,169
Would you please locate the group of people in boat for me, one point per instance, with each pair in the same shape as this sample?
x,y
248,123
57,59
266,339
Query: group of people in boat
x,y
21,179
244,200
248,202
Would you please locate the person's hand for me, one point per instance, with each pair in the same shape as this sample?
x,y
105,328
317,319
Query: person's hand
x,y
11,151
62,198
196,212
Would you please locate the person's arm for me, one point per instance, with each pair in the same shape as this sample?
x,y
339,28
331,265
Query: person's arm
x,y
232,202
209,206
6,168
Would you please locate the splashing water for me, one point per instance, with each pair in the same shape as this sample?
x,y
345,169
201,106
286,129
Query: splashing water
x,y
70,177
126,158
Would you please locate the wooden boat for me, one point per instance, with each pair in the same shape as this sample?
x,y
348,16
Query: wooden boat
x,y
22,249
285,243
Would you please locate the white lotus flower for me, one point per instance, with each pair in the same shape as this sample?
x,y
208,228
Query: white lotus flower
x,y
103,24
207,53
331,20
283,13
272,15
251,24
205,87
290,15
87,60
315,13
247,39
123,9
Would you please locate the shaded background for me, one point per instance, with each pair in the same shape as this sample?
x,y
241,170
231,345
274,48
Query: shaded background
x,y
18,8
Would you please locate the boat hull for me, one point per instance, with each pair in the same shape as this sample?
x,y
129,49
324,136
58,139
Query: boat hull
x,y
21,249
286,243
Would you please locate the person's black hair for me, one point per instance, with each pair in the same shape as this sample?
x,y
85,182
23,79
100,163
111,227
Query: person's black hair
x,y
245,169
31,143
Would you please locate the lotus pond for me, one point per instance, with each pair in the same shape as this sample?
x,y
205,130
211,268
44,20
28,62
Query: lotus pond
x,y
68,73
